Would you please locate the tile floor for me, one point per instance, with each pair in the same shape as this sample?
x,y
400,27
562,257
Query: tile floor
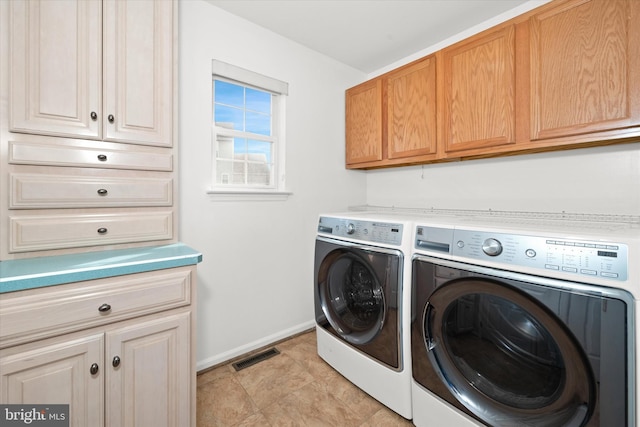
x,y
294,388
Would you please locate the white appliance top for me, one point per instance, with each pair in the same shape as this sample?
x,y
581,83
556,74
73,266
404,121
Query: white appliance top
x,y
562,224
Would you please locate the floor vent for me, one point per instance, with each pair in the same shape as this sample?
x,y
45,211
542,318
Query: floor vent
x,y
256,358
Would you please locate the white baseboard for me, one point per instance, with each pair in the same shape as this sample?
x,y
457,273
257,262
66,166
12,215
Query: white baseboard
x,y
249,347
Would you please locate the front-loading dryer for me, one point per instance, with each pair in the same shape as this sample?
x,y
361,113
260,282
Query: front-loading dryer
x,y
525,322
362,311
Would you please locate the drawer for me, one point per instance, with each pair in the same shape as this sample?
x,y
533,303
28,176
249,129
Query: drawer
x,y
34,314
100,155
43,191
46,232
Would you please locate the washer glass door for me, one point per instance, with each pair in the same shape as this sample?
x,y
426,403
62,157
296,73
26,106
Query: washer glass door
x,y
352,296
357,297
506,357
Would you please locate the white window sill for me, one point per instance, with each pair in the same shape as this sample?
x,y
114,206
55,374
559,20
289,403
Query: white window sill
x,y
249,195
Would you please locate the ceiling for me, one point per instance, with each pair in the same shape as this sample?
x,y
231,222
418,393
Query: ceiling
x,y
367,34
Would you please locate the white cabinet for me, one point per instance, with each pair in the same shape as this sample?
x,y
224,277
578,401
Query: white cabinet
x,y
87,125
55,58
50,232
58,372
120,350
43,190
41,151
91,69
146,372
138,71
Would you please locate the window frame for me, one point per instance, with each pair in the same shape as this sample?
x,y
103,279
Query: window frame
x,y
279,91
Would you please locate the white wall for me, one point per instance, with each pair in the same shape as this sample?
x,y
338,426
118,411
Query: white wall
x,y
255,281
590,180
601,180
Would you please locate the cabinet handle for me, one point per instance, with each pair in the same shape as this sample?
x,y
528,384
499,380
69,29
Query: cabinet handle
x,y
104,308
111,118
116,362
102,192
102,157
102,230
94,369
94,116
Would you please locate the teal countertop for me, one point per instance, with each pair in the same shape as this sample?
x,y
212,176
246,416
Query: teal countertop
x,y
17,275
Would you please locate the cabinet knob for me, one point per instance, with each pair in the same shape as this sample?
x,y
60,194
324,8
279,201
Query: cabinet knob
x,y
102,230
102,157
102,192
94,116
111,118
93,369
104,308
116,361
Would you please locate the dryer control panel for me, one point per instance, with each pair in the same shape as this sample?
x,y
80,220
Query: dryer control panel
x,y
368,231
582,257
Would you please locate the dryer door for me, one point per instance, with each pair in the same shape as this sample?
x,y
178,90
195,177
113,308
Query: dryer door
x,y
507,358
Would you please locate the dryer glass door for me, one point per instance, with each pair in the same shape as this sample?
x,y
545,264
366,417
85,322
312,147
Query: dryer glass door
x,y
506,357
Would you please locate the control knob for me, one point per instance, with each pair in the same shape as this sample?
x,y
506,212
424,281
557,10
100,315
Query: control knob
x,y
351,228
492,247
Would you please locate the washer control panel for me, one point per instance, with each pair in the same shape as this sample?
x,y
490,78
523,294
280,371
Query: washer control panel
x,y
583,257
368,231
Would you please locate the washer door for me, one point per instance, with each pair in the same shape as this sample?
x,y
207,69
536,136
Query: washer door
x,y
352,296
505,357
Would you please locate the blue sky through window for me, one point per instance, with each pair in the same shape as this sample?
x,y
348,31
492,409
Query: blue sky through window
x,y
248,110
242,108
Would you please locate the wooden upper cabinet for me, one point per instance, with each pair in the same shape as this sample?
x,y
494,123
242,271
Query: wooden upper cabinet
x,y
364,122
391,120
564,75
411,110
478,84
585,68
56,67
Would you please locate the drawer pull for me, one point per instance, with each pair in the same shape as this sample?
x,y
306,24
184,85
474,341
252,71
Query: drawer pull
x,y
102,230
102,157
102,192
104,308
94,116
111,118
94,369
116,361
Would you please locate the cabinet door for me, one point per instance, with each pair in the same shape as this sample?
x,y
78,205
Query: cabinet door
x,y
411,110
57,372
150,382
585,68
479,83
364,122
138,83
55,62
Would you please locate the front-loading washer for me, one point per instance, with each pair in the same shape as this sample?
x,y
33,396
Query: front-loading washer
x,y
525,321
361,271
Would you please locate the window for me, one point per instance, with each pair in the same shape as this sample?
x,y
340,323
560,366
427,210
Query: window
x,y
248,131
